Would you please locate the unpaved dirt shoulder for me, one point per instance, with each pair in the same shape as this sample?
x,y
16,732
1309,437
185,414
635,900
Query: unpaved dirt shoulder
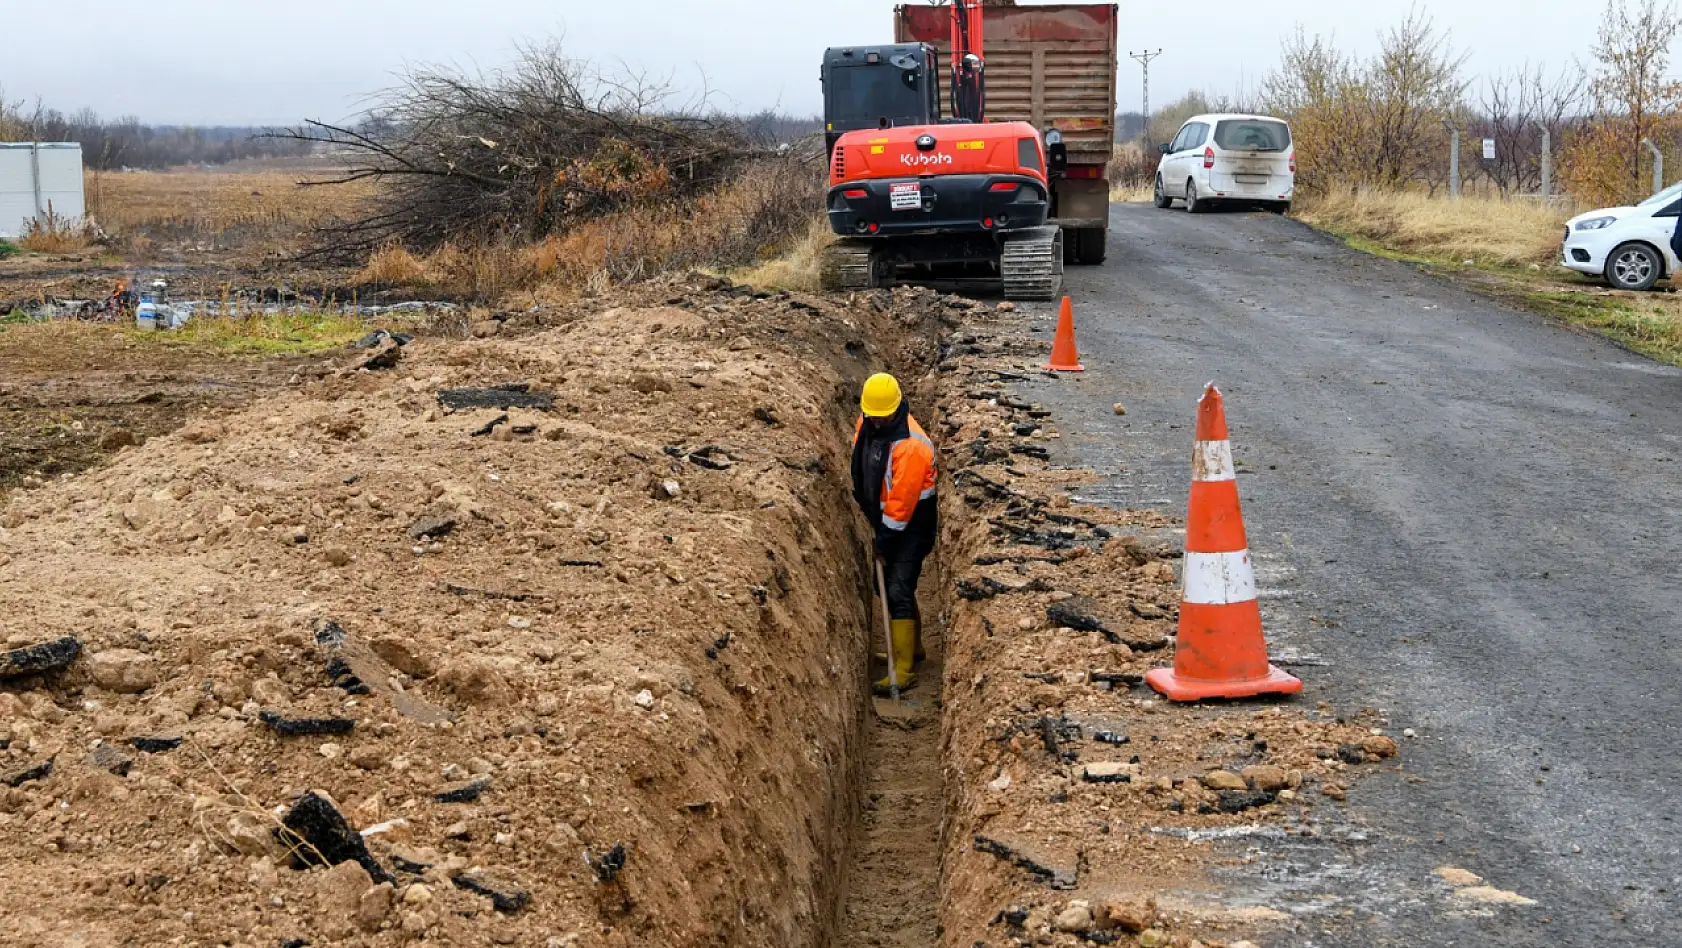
x,y
73,395
1081,805
643,627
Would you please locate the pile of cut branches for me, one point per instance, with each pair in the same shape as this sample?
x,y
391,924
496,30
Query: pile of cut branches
x,y
517,155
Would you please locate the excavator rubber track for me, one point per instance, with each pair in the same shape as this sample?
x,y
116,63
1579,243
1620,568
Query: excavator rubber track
x,y
1031,264
848,266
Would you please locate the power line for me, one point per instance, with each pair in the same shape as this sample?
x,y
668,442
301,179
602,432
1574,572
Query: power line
x,y
1144,59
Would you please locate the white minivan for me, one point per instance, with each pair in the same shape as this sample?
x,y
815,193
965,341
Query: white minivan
x,y
1248,158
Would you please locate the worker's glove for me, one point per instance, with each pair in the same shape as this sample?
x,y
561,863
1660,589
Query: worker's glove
x,y
887,542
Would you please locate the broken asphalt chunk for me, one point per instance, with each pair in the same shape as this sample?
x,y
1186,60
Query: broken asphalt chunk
x,y
413,867
39,659
24,773
1056,877
504,398
489,426
300,727
608,865
1352,753
1077,614
315,834
154,745
463,794
341,674
1114,678
503,899
1237,801
986,588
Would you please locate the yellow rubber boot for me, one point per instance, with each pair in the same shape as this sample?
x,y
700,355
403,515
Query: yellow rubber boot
x,y
920,654
904,633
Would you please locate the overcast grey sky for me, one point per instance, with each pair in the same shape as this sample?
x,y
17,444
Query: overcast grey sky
x,y
243,61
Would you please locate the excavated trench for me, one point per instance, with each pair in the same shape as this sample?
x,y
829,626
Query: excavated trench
x,y
607,641
595,665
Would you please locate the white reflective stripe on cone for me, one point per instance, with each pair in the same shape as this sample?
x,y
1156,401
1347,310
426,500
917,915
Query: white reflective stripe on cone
x,y
1219,579
1212,461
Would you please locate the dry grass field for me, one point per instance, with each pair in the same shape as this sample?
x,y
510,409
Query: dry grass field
x,y
220,208
1487,231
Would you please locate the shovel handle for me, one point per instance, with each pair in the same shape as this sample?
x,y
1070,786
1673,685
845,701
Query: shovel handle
x,y
887,629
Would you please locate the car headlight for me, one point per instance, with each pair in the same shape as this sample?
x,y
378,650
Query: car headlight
x,y
1596,223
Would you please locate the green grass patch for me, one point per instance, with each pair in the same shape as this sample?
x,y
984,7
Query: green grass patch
x,y
277,334
1648,323
1650,327
9,249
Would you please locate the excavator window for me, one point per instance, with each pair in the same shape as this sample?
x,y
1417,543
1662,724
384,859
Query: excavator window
x,y
889,87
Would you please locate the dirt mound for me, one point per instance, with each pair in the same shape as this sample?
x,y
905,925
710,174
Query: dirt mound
x,y
585,676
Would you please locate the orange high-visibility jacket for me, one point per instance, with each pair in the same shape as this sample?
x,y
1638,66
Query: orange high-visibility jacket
x,y
910,476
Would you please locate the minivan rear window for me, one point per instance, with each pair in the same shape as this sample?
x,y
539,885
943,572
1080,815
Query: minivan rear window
x,y
1252,135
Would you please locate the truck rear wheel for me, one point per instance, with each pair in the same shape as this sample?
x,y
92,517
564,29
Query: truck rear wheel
x,y
1092,245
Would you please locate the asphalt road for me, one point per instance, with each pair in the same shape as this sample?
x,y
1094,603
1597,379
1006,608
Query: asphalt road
x,y
1463,515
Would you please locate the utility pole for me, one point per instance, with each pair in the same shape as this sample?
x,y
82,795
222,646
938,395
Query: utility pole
x,y
1144,59
1547,161
1658,165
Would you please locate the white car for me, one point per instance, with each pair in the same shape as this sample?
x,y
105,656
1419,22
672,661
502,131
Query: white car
x,y
1628,246
1248,158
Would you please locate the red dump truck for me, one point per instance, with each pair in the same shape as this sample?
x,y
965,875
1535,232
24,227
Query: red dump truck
x,y
1054,66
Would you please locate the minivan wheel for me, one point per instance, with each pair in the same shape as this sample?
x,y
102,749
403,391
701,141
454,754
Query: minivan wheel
x,y
1193,204
1161,196
1633,267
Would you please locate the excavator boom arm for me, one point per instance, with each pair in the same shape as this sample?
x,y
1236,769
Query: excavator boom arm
x,y
969,88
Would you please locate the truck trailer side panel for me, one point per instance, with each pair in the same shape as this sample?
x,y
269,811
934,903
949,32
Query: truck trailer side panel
x,y
1053,65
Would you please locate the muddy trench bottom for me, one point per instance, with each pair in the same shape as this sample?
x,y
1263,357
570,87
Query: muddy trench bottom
x,y
892,895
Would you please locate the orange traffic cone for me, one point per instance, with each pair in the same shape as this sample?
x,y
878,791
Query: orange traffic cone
x,y
1064,358
1220,652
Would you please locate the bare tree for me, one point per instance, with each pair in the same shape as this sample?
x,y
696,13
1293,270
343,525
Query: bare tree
x,y
1415,84
1516,106
519,154
1633,52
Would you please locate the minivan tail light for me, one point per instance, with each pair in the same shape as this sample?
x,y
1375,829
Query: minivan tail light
x,y
1209,157
1293,162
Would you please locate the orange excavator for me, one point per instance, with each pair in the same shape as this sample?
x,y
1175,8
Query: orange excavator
x,y
915,198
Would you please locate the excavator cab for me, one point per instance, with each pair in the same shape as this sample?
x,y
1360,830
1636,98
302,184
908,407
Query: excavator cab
x,y
876,87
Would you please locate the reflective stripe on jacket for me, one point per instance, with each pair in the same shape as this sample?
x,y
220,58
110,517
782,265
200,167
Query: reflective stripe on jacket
x,y
910,475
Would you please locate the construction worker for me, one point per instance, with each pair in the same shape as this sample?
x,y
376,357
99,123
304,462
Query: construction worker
x,y
893,483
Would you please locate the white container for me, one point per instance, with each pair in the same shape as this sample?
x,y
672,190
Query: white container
x,y
146,315
35,176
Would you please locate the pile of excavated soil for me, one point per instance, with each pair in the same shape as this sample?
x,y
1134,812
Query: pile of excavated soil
x,y
582,676
1079,800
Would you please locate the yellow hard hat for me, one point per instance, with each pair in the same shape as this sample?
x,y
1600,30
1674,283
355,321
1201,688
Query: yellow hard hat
x,y
881,396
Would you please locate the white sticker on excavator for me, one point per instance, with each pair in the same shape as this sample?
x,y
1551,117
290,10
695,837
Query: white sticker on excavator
x,y
905,197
